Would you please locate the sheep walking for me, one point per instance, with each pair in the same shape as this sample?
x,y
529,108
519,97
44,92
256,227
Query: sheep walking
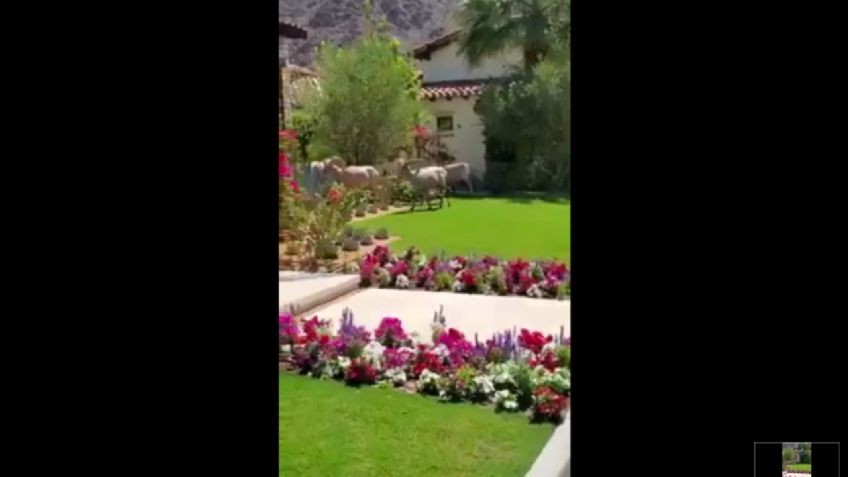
x,y
352,177
459,173
426,181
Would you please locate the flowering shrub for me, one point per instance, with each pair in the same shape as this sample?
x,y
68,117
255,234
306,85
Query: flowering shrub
x,y
288,329
548,404
390,332
513,374
543,279
360,372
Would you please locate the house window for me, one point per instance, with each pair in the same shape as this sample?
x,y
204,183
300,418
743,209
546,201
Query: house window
x,y
444,123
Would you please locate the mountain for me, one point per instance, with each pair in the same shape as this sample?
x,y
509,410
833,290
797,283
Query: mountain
x,y
340,21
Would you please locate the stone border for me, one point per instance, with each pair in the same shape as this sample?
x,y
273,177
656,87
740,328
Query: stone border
x,y
317,299
509,295
555,458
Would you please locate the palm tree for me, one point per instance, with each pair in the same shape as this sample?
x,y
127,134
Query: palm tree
x,y
488,27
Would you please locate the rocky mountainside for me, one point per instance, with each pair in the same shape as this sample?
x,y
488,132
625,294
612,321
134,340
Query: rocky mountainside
x,y
340,21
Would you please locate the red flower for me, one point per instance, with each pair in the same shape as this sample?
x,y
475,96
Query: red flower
x,y
549,404
334,196
294,185
360,372
468,279
420,131
427,360
548,360
533,341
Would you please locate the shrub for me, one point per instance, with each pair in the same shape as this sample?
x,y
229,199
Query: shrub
x,y
372,209
443,281
402,191
350,244
292,248
382,234
361,209
548,404
368,100
564,356
325,249
366,240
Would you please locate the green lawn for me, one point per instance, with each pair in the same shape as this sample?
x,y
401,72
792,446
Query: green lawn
x,y
329,429
504,227
800,467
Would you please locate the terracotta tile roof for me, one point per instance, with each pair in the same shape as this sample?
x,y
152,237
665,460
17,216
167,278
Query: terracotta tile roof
x,y
451,89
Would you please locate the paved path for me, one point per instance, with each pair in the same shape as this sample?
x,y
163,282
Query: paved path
x,y
484,315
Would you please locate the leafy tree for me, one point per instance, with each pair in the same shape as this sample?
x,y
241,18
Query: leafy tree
x,y
489,27
804,453
788,455
527,124
368,103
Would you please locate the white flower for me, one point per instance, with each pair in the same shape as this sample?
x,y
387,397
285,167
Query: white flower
x,y
374,352
549,347
534,291
484,385
396,375
440,350
454,264
457,286
511,405
344,362
286,348
402,281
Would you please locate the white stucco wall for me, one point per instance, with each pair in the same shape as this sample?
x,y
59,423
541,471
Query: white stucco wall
x,y
445,64
465,142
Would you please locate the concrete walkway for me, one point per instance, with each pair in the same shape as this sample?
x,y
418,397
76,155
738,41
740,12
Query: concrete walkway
x,y
484,315
301,291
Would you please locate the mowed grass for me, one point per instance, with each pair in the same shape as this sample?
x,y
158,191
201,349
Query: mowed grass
x,y
327,428
503,227
807,467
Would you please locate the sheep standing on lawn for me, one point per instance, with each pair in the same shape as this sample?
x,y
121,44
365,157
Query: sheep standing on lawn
x,y
426,180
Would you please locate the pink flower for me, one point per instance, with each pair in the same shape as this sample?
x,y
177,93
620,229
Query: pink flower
x,y
390,332
290,134
400,267
285,169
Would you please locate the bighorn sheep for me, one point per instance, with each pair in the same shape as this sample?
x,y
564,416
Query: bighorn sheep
x,y
459,172
352,177
425,180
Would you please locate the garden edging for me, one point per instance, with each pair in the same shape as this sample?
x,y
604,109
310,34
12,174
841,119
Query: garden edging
x,y
326,295
555,458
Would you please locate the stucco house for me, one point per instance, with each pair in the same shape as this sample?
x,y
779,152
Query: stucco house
x,y
451,89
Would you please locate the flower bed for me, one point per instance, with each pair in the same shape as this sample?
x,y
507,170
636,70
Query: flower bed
x,y
524,371
487,275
